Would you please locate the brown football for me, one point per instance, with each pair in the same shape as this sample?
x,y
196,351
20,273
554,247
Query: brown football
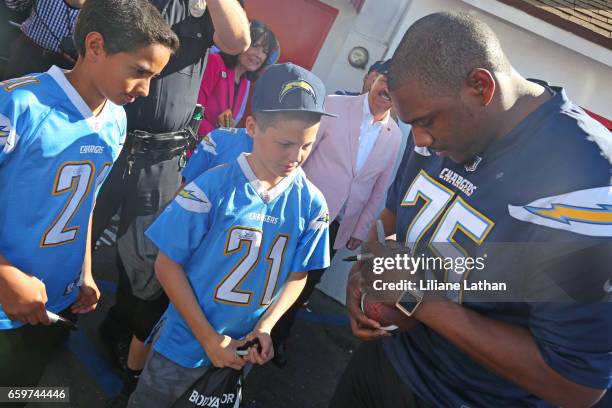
x,y
390,317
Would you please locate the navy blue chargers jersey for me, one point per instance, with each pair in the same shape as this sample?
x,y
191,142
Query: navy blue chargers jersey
x,y
54,155
541,193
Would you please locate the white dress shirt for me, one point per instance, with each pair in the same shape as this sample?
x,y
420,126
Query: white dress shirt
x,y
368,133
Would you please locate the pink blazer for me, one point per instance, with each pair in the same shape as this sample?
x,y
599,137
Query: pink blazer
x,y
217,92
331,166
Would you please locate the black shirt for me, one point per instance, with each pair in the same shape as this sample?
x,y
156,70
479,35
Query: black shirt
x,y
173,95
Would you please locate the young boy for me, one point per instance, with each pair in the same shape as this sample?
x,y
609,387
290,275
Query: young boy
x,y
60,133
236,242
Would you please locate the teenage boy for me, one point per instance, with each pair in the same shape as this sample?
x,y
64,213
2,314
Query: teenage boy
x,y
60,133
235,243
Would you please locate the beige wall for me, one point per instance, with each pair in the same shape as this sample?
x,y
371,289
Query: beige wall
x,y
373,29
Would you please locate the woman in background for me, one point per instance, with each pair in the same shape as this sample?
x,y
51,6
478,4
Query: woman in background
x,y
227,78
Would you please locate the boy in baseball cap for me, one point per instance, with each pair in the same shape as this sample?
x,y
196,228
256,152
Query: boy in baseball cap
x,y
284,88
235,244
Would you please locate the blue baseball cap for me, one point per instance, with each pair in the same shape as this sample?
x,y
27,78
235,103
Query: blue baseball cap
x,y
289,88
382,66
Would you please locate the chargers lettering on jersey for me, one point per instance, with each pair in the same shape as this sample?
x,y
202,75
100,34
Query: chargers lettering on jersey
x,y
586,212
92,149
263,218
193,199
463,184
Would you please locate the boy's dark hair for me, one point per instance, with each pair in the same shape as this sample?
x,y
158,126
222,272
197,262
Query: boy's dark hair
x,y
125,25
270,119
259,33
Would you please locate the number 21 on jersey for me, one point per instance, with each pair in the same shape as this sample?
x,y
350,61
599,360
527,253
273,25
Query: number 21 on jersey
x,y
74,180
228,291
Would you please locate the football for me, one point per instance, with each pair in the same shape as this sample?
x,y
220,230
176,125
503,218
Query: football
x,y
390,317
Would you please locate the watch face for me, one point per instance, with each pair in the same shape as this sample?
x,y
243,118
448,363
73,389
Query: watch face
x,y
408,302
358,57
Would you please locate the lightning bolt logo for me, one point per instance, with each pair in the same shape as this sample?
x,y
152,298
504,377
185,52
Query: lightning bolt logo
x,y
322,221
206,140
300,84
3,131
586,212
324,218
567,213
209,144
188,194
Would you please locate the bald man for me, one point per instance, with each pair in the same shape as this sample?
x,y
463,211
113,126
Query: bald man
x,y
498,159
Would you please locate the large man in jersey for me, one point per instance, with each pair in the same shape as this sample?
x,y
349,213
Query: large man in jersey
x,y
499,159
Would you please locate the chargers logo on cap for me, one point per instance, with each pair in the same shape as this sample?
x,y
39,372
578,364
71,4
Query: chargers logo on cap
x,y
299,84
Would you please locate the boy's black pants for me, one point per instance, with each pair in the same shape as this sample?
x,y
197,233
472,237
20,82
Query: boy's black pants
x,y
26,351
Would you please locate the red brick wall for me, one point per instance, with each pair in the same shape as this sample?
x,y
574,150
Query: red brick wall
x,y
591,19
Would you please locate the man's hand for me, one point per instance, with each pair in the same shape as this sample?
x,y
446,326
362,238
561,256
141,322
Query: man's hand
x,y
221,350
353,243
88,297
23,298
390,273
267,349
362,326
226,119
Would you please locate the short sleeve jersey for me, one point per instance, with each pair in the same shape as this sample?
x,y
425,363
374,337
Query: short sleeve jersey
x,y
220,146
237,244
55,154
545,183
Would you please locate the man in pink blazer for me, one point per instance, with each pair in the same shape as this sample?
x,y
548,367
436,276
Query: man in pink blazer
x,y
351,163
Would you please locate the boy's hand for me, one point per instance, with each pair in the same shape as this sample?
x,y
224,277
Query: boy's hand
x,y
23,298
221,350
267,349
226,119
89,294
